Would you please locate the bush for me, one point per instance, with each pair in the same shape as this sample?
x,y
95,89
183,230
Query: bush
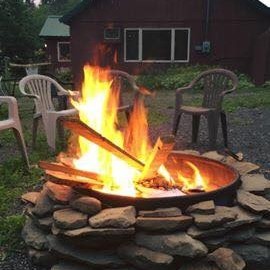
x,y
176,77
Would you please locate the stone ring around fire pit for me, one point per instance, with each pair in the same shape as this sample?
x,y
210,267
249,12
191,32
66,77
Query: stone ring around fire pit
x,y
66,230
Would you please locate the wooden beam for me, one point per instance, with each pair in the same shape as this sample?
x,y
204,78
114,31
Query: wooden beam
x,y
158,156
58,167
90,134
71,180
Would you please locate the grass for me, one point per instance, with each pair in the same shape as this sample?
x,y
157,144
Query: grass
x,y
14,180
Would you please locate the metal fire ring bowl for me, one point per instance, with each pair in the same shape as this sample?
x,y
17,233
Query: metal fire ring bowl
x,y
224,178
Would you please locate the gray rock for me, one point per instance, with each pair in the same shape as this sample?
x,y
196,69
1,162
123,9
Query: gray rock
x,y
57,207
59,193
45,223
69,219
204,208
70,266
144,258
264,223
222,215
196,233
41,257
33,236
241,234
162,212
215,243
227,259
254,203
253,254
88,231
99,259
243,217
255,183
121,217
87,205
44,204
214,155
200,265
262,238
245,167
168,224
173,244
30,197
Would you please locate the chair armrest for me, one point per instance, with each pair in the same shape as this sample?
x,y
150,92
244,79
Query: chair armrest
x,y
182,89
12,105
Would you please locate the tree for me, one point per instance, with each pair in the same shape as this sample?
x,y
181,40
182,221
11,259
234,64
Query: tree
x,y
18,36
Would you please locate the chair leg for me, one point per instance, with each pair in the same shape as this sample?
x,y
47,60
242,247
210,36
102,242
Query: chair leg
x,y
19,137
176,121
51,130
34,131
195,127
61,133
224,128
212,119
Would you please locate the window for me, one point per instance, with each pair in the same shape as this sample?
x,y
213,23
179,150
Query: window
x,y
157,45
63,51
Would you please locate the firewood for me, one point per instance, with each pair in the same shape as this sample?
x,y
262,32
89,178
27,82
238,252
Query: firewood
x,y
90,134
158,156
57,167
71,180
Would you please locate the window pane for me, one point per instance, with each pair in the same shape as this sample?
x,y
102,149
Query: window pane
x,y
156,45
181,45
64,51
132,44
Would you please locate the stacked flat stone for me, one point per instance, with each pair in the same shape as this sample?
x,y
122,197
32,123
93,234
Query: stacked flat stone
x,y
66,231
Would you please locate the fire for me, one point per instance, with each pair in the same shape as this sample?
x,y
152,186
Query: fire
x,y
194,181
98,109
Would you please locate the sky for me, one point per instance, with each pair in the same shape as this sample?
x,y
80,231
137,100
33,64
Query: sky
x,y
266,2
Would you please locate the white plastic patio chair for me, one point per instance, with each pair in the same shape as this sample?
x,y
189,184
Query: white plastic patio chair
x,y
14,122
39,88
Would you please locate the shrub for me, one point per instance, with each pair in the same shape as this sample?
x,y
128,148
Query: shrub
x,y
175,77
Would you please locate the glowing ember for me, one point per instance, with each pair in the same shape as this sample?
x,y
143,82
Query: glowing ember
x,y
98,109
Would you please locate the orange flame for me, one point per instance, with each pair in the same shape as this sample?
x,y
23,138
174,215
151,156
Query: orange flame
x,y
98,108
193,180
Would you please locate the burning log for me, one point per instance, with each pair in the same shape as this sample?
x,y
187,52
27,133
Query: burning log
x,y
92,177
90,134
71,180
158,156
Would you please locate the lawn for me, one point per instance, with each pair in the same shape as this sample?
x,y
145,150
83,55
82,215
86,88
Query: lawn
x,y
14,180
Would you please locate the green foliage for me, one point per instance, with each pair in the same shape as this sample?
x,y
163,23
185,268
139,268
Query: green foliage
x,y
64,74
17,30
176,77
10,230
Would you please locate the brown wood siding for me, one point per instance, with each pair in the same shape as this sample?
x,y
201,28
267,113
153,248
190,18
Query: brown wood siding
x,y
51,53
233,30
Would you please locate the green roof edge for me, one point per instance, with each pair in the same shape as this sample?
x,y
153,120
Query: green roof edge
x,y
82,5
76,10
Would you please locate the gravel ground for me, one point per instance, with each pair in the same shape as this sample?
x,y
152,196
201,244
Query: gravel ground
x,y
249,133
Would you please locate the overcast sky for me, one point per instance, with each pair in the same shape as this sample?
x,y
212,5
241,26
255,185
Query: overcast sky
x,y
266,2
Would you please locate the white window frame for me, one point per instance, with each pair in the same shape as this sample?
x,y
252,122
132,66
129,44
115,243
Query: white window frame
x,y
172,45
58,51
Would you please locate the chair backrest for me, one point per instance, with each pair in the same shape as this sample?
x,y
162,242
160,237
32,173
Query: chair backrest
x,y
41,86
123,81
215,84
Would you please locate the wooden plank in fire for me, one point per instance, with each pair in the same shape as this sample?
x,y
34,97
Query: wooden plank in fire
x,y
92,177
158,156
71,180
90,134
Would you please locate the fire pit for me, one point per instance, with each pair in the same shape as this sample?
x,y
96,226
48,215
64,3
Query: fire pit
x,y
114,201
223,181
121,167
